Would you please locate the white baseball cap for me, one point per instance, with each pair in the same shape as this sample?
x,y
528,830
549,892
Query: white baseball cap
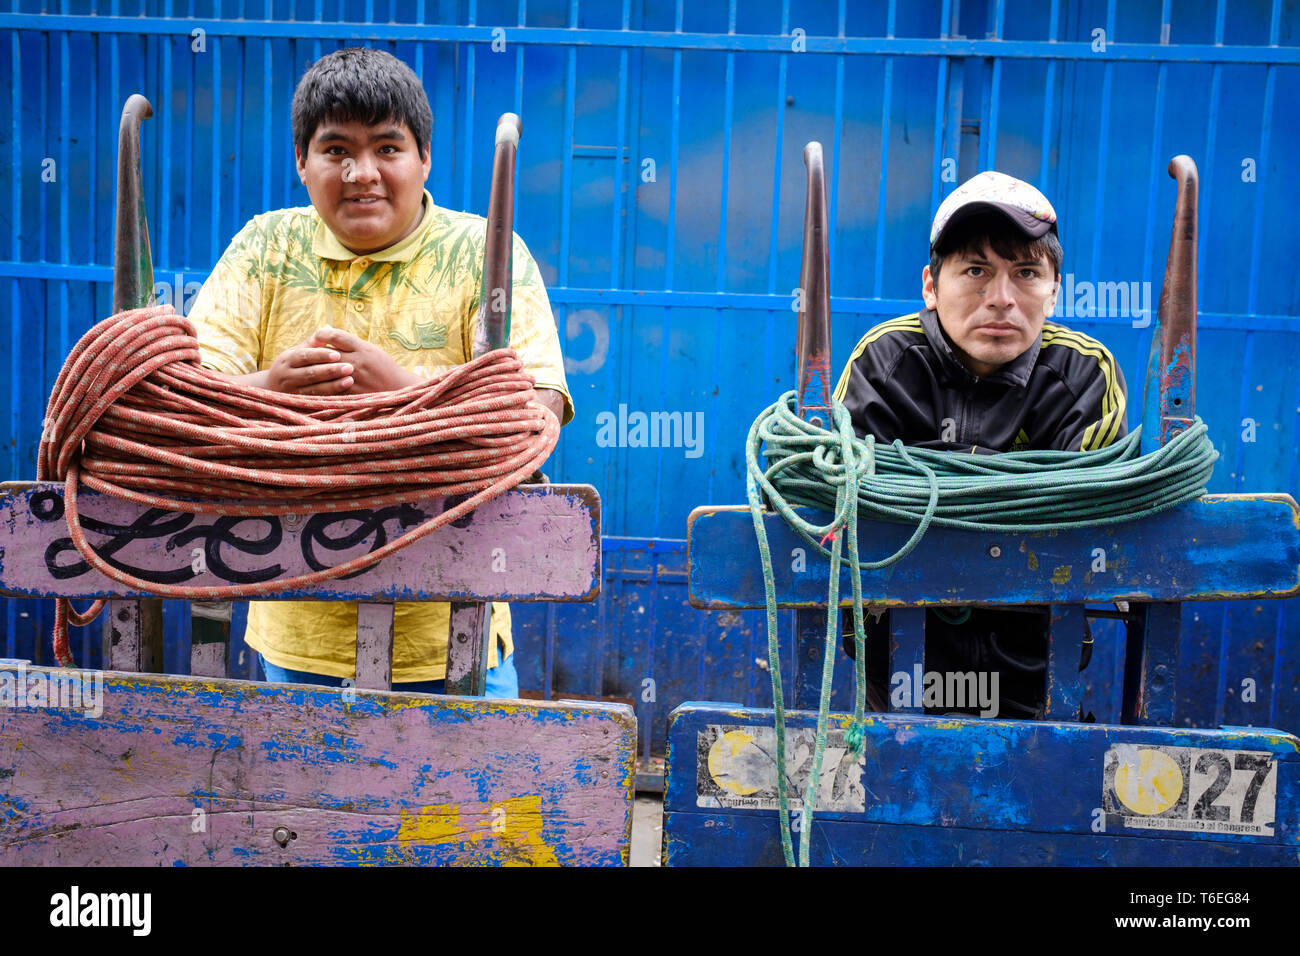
x,y
1021,203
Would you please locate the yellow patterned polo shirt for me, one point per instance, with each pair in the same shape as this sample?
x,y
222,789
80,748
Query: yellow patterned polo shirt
x,y
283,277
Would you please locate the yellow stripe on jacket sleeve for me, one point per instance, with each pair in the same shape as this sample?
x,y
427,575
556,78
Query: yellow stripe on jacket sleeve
x,y
906,323
1113,404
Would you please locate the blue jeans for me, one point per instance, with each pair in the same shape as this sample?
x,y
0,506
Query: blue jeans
x,y
502,680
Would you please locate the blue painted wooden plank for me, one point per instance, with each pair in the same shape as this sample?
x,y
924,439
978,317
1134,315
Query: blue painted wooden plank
x,y
728,840
1031,781
734,666
1151,664
1103,677
1231,546
907,653
1064,647
810,656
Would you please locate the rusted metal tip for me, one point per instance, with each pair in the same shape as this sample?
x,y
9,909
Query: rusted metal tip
x,y
1182,168
509,129
137,108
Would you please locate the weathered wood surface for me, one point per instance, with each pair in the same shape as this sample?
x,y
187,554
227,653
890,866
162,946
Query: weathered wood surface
x,y
699,839
1064,686
467,648
907,648
210,638
1221,547
1151,663
945,791
189,771
133,635
491,554
374,668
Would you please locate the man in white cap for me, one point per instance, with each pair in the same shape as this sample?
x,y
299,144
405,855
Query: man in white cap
x,y
982,370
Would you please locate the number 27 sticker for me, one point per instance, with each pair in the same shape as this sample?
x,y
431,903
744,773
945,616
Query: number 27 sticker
x,y
1191,788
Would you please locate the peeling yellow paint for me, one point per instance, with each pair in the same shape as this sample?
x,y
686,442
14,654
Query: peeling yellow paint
x,y
730,745
1251,738
952,725
435,824
398,701
182,685
513,825
1062,574
1149,785
1033,561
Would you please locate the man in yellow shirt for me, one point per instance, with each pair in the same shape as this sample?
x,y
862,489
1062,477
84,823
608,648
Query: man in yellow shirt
x,y
371,288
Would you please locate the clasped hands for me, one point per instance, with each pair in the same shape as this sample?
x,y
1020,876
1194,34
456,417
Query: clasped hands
x,y
334,362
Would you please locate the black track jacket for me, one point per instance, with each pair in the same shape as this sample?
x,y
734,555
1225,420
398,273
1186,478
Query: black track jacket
x,y
904,380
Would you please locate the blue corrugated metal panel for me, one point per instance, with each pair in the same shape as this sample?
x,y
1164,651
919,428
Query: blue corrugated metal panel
x,y
661,189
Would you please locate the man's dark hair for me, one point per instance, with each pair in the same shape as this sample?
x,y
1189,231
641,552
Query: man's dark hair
x,y
994,231
359,85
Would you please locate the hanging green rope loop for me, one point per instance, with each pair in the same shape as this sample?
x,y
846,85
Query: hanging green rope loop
x,y
957,617
835,472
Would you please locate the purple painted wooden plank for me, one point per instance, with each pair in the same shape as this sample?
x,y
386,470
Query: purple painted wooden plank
x,y
191,771
536,543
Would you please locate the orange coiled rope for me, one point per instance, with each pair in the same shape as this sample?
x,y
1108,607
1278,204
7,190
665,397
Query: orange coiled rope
x,y
134,415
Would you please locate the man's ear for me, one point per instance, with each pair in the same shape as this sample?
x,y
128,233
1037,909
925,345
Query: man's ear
x,y
1049,307
302,164
928,294
428,159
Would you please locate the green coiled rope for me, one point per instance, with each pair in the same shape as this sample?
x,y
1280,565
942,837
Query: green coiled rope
x,y
1011,493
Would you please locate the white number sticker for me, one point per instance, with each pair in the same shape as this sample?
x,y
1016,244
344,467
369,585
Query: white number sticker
x,y
1191,788
736,768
